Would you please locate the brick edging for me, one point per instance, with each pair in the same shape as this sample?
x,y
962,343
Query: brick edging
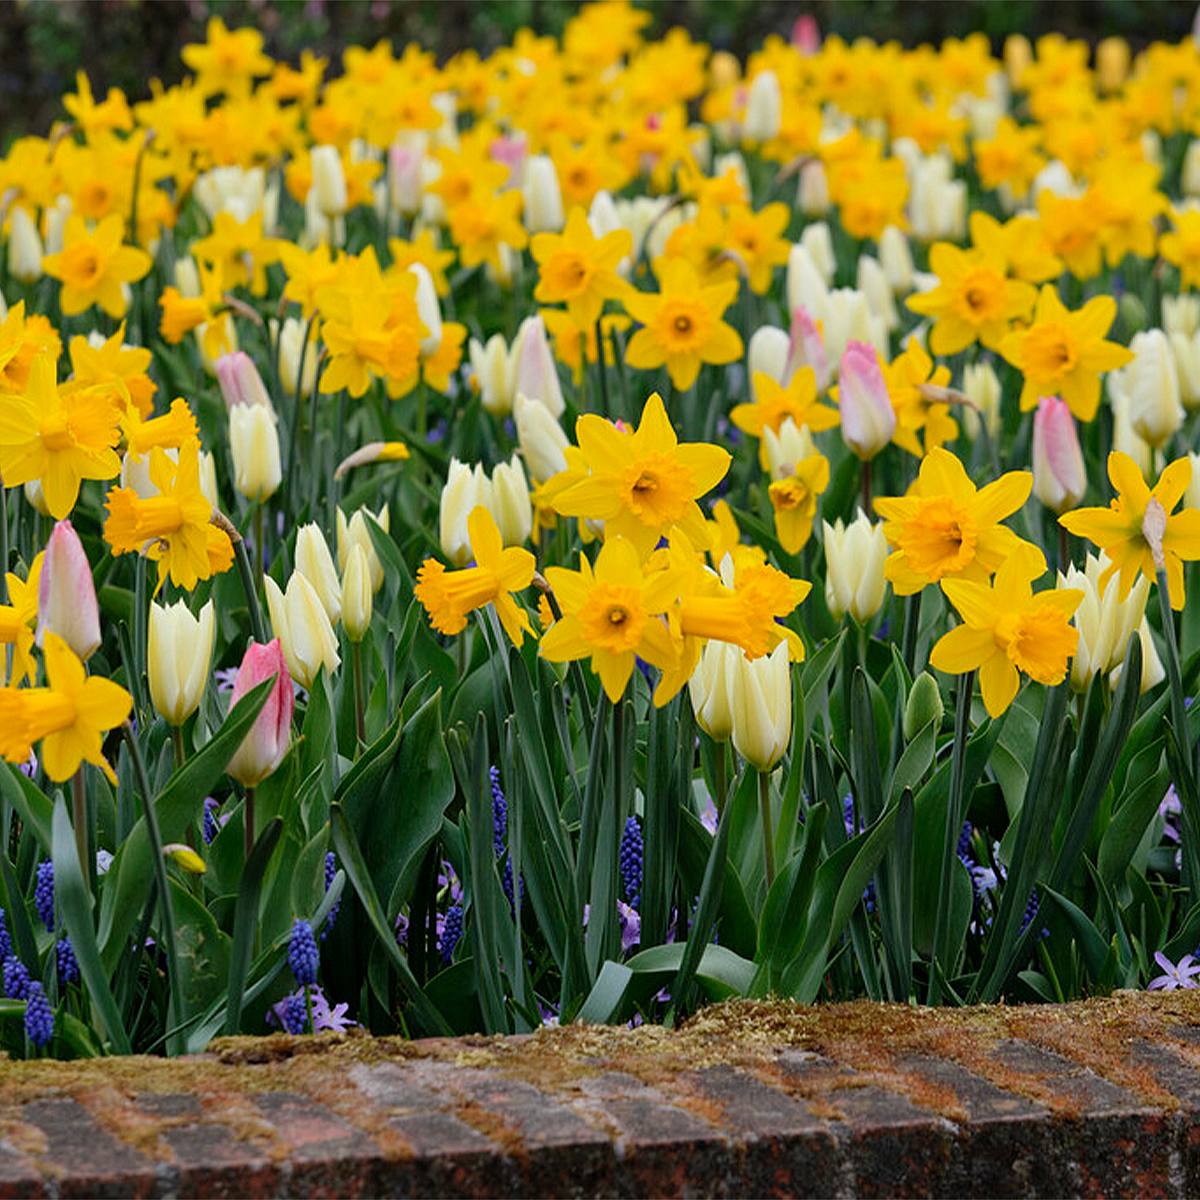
x,y
1099,1098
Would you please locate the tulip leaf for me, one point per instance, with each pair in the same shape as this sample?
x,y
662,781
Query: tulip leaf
x,y
31,804
245,921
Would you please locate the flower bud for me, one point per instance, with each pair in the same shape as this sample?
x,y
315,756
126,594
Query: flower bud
x,y
1059,476
787,447
854,558
541,438
510,504
179,650
291,345
24,247
805,283
185,857
264,747
895,256
67,594
1181,314
37,497
981,386
764,108
923,707
761,704
1112,63
428,309
1125,438
357,597
404,172
1018,55
543,196
240,382
465,489
818,241
1190,180
490,363
315,563
302,626
806,348
710,688
534,373
355,532
372,452
812,192
873,283
328,181
1156,411
868,419
768,352
848,318
1191,498
254,445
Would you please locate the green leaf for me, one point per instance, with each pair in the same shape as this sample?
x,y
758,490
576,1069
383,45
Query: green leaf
x,y
31,804
606,1001
1130,822
201,950
245,921
1087,937
720,972
784,918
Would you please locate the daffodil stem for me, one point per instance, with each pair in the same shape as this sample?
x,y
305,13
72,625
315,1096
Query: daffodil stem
x,y
79,817
360,727
139,629
246,571
912,629
248,823
764,805
866,486
958,767
297,410
604,409
178,1015
1174,676
177,743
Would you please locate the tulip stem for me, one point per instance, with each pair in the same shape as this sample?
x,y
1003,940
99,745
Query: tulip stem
x,y
246,571
259,549
248,822
79,816
177,742
764,804
720,778
1064,549
360,727
865,476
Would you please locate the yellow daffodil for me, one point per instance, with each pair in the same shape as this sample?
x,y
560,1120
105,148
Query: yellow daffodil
x,y
1118,529
228,60
945,527
481,224
448,596
1064,353
114,362
1181,246
641,484
919,412
1008,629
18,617
774,402
578,269
94,266
794,500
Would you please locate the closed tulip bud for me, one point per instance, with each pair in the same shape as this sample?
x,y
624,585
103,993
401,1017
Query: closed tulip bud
x,y
254,446
873,283
328,181
924,706
1181,314
534,373
1153,672
1156,411
357,597
510,505
710,688
1190,179
240,382
806,348
355,532
300,622
603,219
315,563
404,172
787,447
854,559
812,192
1191,498
764,108
541,438
56,224
805,282
179,650
848,318
543,196
208,479
291,347
761,703
465,489
36,497
67,594
1112,63
895,256
868,419
1018,55
490,362
1125,437
981,386
185,858
1059,476
264,747
818,241
24,247
428,309
768,352
318,226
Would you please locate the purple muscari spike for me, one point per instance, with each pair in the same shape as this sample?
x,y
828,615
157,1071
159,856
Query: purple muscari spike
x,y
499,813
630,858
331,869
401,929
16,978
39,1018
68,967
451,932
294,1016
6,947
43,894
210,827
303,956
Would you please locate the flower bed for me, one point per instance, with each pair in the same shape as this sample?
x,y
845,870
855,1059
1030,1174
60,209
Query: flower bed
x,y
570,536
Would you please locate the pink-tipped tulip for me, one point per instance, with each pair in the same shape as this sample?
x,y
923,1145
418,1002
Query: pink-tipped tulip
x,y
868,418
240,381
534,373
67,594
806,34
1059,476
267,742
806,348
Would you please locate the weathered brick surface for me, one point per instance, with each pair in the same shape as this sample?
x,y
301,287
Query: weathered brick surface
x,y
1101,1099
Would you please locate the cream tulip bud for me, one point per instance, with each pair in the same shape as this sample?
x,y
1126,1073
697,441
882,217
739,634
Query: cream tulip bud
x,y
24,247
895,256
1104,620
1153,672
240,382
768,352
868,418
511,506
465,489
179,651
490,362
1191,498
818,241
357,597
1181,314
300,622
1185,349
1125,438
315,563
812,192
534,373
1156,411
254,445
848,318
541,438
543,196
764,108
428,309
1190,179
787,447
355,532
208,479
806,348
404,172
328,181
264,747
981,386
36,497
291,350
805,283
761,704
854,558
67,593
873,283
1059,476
710,689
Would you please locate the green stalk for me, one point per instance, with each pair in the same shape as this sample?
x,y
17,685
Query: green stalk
x,y
604,409
764,804
3,543
360,727
246,571
79,819
248,822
